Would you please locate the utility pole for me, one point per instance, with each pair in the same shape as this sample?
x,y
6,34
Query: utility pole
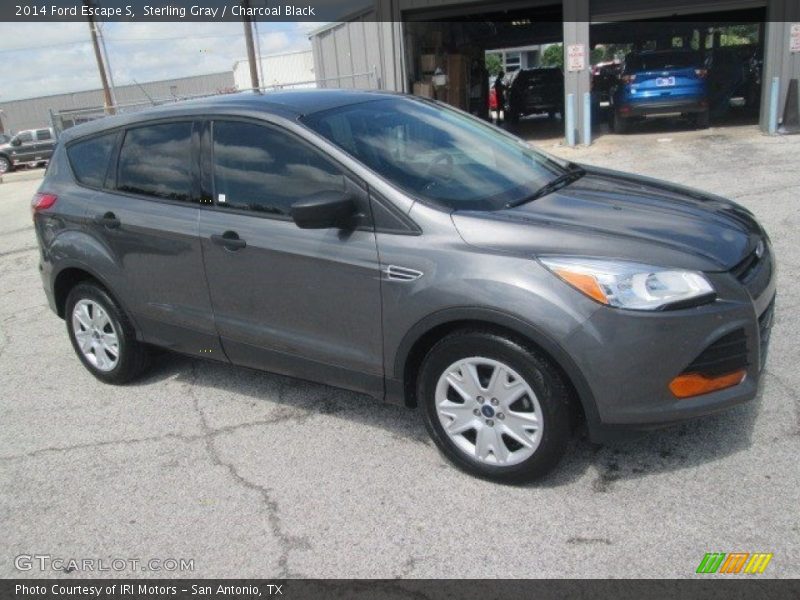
x,y
100,66
251,51
102,38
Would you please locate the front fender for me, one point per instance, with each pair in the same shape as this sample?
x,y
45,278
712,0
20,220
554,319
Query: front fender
x,y
523,328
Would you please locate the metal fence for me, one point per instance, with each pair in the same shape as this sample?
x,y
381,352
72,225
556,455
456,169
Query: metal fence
x,y
65,119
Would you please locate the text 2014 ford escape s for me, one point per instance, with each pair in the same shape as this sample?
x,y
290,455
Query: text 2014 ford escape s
x,y
396,247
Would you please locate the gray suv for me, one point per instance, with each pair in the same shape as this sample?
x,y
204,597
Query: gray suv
x,y
397,247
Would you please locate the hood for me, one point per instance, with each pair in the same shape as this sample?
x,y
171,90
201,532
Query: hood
x,y
616,215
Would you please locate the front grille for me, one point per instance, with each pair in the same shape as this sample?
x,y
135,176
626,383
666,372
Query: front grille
x,y
754,272
726,355
764,330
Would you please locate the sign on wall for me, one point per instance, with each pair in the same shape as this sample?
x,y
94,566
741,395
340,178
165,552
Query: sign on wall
x,y
794,38
576,57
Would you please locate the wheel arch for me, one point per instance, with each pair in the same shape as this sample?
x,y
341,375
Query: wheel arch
x,y
421,338
72,274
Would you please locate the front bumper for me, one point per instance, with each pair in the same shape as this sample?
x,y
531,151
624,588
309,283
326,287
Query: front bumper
x,y
628,358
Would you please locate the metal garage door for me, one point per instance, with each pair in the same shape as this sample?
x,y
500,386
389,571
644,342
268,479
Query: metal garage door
x,y
623,10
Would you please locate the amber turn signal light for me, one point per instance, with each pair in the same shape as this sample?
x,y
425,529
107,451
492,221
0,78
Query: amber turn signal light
x,y
585,283
689,385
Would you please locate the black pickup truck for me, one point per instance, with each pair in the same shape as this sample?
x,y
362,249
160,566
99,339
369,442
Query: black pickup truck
x,y
30,147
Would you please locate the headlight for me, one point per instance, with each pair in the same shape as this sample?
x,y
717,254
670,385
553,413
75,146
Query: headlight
x,y
631,285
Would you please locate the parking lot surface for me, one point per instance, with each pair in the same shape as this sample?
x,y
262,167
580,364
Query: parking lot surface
x,y
252,474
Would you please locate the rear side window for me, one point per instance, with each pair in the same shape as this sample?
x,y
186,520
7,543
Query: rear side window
x,y
89,159
155,160
266,170
43,134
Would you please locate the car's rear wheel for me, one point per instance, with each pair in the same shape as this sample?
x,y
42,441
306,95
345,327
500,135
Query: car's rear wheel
x,y
5,165
102,336
494,407
619,124
702,120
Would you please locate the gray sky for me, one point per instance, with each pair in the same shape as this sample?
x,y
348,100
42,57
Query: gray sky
x,y
39,59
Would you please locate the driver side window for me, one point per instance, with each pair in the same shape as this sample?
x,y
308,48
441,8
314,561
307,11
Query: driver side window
x,y
266,170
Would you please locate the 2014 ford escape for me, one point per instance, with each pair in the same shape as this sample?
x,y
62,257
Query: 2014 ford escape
x,y
397,247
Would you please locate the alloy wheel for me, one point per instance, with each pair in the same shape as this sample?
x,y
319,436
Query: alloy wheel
x,y
489,411
95,333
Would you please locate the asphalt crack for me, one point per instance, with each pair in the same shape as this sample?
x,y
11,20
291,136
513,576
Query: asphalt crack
x,y
18,251
287,542
95,445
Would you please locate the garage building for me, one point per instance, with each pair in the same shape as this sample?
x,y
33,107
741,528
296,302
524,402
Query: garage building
x,y
402,45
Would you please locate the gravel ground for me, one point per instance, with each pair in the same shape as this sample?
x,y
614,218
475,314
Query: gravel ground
x,y
252,474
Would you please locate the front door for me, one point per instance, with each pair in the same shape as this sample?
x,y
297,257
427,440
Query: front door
x,y
303,302
26,149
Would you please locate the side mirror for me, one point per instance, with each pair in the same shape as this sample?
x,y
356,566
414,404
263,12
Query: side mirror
x,y
15,141
323,210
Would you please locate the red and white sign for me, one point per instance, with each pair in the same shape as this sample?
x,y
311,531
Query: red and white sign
x,y
576,57
794,38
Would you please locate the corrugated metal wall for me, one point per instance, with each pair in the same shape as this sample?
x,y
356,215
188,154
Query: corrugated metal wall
x,y
35,112
279,69
779,61
358,54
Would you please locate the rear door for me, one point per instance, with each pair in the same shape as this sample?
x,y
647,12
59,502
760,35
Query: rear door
x,y
146,216
45,142
304,302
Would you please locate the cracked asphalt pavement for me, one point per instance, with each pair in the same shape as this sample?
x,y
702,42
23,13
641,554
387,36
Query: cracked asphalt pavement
x,y
255,475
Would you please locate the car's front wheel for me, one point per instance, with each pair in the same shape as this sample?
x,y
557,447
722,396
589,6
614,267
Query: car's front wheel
x,y
494,407
5,165
102,335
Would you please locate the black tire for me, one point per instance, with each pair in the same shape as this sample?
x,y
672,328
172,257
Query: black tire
x,y
619,124
513,115
537,371
702,120
5,165
133,356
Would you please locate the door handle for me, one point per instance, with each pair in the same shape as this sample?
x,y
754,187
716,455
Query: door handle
x,y
108,220
230,240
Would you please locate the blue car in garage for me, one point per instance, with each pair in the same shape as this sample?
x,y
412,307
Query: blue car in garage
x,y
658,83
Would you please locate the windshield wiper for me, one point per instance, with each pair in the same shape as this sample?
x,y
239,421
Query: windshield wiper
x,y
551,186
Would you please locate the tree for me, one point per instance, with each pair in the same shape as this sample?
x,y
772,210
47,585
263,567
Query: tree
x,y
553,56
494,64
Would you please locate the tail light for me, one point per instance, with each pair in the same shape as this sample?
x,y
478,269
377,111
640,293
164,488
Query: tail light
x,y
701,73
43,201
628,78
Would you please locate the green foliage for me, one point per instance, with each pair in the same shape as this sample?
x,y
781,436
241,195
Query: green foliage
x,y
748,33
553,56
494,64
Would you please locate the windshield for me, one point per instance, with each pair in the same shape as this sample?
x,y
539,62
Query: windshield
x,y
437,154
661,61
